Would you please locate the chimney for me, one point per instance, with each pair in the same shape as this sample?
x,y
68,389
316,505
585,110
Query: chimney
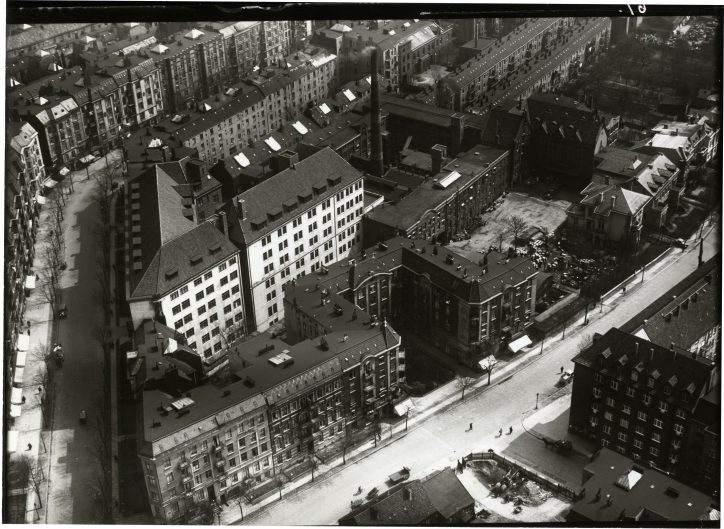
x,y
224,223
407,494
240,208
376,162
351,274
613,201
457,129
437,153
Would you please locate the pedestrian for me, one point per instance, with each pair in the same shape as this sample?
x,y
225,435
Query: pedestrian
x,y
511,430
500,433
28,325
22,401
40,389
561,369
471,426
30,447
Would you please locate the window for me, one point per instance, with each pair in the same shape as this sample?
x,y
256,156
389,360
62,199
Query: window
x,y
654,451
596,393
198,281
610,402
608,416
678,429
647,399
606,429
169,478
622,437
630,392
656,437
641,416
658,423
626,409
614,384
639,429
598,377
623,423
663,407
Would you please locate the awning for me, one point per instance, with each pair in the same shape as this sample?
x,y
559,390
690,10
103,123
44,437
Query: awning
x,y
12,440
23,342
30,282
20,358
88,159
50,183
18,378
517,345
15,411
487,362
64,171
403,407
16,396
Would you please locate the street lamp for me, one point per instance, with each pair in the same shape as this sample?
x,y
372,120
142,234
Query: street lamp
x,y
536,401
407,414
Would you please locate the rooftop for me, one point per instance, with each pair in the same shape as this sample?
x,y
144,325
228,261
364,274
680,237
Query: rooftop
x,y
37,34
414,110
428,195
643,173
684,313
277,200
417,501
259,379
621,353
472,282
565,116
607,198
630,493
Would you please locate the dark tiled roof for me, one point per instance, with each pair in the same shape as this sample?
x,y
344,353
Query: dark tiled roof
x,y
468,282
616,352
648,498
611,197
413,110
565,116
503,126
166,234
417,501
319,169
665,325
37,34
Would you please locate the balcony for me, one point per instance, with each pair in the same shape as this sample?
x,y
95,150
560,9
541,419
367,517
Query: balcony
x,y
220,464
183,464
186,479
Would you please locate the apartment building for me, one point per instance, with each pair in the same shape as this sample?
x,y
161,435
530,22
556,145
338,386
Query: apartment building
x,y
24,177
695,141
24,39
287,402
81,109
291,224
181,270
447,203
466,310
639,398
252,44
406,47
470,81
652,175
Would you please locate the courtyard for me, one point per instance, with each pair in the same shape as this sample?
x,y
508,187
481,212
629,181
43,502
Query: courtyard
x,y
536,212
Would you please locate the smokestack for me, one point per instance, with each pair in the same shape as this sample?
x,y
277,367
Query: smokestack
x,y
376,163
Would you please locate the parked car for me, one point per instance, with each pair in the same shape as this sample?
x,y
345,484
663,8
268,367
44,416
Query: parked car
x,y
566,377
680,243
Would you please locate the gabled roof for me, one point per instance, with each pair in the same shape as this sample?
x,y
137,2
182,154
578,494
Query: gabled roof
x,y
610,197
563,115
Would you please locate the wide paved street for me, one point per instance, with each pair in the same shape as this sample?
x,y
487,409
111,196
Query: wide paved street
x,y
73,468
442,438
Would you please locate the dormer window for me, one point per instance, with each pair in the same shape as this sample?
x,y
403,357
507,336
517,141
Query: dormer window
x,y
634,375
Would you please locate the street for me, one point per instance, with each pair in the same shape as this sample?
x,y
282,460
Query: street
x,y
73,475
437,440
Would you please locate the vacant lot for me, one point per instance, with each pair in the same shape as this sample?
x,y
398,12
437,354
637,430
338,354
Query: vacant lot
x,y
535,211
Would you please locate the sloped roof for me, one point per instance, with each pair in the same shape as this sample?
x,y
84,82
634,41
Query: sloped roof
x,y
611,197
563,115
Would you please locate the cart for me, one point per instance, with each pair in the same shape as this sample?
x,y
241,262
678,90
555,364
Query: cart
x,y
83,417
62,311
400,475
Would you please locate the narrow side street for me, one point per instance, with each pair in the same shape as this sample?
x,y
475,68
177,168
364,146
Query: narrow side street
x,y
437,439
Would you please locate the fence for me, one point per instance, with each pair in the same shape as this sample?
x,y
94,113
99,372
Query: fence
x,y
554,486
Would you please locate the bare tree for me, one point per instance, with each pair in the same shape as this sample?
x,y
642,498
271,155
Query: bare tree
x,y
47,289
34,473
279,483
464,383
502,235
313,462
346,445
585,342
516,225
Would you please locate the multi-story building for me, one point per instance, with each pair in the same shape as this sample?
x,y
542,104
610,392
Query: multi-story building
x,y
565,137
508,128
291,224
695,141
470,81
81,109
284,404
446,204
466,310
639,398
652,175
180,269
254,44
24,176
406,48
608,215
687,315
24,39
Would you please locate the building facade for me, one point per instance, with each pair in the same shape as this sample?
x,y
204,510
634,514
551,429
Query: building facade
x,y
292,224
638,398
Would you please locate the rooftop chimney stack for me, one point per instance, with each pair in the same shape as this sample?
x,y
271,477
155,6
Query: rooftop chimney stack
x,y
376,162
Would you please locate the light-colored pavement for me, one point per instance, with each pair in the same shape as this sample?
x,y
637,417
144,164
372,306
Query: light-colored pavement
x,y
439,435
73,469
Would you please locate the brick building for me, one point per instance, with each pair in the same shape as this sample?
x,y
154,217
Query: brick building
x,y
467,310
640,399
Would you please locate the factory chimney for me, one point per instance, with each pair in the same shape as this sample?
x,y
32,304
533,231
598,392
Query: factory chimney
x,y
376,164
